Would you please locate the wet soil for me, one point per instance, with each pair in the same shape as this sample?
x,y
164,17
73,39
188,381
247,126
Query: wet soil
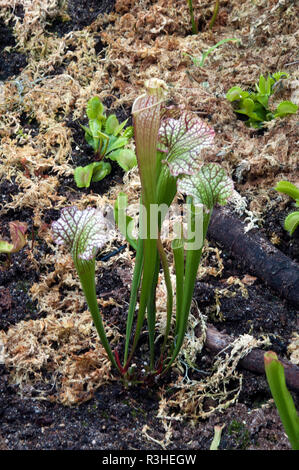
x,y
11,62
80,13
115,417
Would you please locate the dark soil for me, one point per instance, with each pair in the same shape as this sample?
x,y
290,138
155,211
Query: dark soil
x,y
11,63
115,417
82,13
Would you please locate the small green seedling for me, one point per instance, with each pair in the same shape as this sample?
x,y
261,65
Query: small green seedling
x,y
282,398
255,104
199,62
109,139
292,220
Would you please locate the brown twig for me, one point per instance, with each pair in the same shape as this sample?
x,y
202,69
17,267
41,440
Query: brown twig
x,y
254,361
260,257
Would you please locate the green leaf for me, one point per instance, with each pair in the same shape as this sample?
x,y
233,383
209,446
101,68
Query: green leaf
x,y
254,110
5,247
209,186
95,127
95,109
269,84
100,171
120,127
247,107
236,93
282,397
291,222
86,129
115,143
82,175
128,132
262,87
279,75
126,159
94,172
114,154
263,99
111,124
288,188
92,141
259,112
201,62
284,108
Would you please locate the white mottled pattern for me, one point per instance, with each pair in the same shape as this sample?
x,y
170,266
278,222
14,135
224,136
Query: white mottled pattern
x,y
209,186
184,139
83,232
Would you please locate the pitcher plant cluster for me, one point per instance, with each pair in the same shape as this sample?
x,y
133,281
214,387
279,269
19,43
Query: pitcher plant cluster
x,y
169,147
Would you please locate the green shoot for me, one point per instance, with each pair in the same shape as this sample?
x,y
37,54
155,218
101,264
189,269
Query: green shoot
x,y
215,13
282,397
200,62
193,22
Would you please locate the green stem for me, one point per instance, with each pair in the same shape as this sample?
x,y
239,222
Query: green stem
x,y
192,263
149,264
165,192
169,292
86,272
282,397
193,22
178,254
193,258
215,13
133,296
151,314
